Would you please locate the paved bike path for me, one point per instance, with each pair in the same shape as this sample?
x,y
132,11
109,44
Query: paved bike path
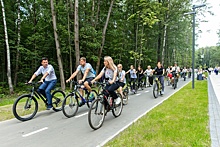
x,y
54,129
214,109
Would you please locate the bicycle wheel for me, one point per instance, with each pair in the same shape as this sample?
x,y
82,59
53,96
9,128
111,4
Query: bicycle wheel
x,y
89,101
57,100
96,114
155,90
25,107
125,98
117,109
70,105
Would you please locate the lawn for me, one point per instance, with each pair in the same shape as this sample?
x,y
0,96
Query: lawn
x,y
182,120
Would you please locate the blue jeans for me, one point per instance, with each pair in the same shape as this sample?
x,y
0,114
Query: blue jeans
x,y
161,79
45,90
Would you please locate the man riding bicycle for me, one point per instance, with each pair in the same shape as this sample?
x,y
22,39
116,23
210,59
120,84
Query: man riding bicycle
x,y
48,80
88,76
175,72
159,71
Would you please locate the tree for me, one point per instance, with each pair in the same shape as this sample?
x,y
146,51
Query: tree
x,y
103,36
8,50
59,58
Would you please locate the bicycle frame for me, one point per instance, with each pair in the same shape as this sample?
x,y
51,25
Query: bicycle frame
x,y
34,93
77,92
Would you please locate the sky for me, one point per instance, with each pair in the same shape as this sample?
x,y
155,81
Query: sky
x,y
209,36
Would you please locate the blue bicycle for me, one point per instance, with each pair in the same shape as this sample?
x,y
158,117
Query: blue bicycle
x,y
74,100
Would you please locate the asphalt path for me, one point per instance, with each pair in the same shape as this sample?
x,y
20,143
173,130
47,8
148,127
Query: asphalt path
x,y
49,128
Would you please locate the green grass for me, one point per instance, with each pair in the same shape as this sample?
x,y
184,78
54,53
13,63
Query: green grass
x,y
182,120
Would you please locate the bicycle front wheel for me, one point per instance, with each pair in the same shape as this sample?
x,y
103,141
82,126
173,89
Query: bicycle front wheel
x,y
117,108
25,107
57,100
96,114
70,105
155,90
90,100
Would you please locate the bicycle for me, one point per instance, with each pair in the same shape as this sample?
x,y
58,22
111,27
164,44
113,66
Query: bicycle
x,y
157,87
140,85
25,106
71,103
175,80
101,106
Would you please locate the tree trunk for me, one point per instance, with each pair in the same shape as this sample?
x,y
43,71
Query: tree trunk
x,y
18,43
103,36
11,90
62,80
97,15
76,34
69,39
164,44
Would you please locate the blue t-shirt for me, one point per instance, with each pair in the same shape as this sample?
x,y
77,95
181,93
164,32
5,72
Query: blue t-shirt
x,y
84,68
133,73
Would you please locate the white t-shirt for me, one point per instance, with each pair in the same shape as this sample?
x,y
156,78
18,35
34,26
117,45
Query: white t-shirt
x,y
121,74
148,72
49,69
109,73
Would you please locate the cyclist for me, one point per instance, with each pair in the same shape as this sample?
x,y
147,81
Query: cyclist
x,y
122,79
140,73
133,77
184,72
48,80
148,73
110,73
88,75
175,71
159,71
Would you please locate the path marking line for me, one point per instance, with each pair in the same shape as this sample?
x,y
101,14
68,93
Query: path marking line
x,y
146,91
81,115
34,132
138,94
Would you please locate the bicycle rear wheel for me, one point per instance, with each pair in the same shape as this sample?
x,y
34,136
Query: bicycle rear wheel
x,y
96,113
25,107
155,90
117,109
57,100
125,98
70,105
89,101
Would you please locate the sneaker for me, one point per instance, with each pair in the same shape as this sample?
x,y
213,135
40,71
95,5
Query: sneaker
x,y
49,107
162,92
117,101
81,103
91,96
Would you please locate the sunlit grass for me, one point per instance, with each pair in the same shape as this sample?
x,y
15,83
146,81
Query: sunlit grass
x,y
182,120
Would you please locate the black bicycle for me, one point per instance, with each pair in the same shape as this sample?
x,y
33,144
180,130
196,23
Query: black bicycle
x,y
175,80
71,102
157,87
101,106
25,106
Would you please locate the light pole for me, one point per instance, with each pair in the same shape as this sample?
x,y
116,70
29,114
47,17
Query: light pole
x,y
193,43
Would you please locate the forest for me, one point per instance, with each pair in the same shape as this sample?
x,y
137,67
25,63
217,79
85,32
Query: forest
x,y
138,32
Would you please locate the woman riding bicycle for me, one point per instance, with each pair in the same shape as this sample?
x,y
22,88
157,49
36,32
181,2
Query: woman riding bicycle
x,y
159,71
133,77
140,73
110,72
122,79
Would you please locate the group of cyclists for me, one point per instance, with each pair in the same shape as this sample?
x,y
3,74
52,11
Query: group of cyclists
x,y
114,75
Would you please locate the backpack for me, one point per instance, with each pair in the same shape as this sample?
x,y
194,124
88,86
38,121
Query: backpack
x,y
93,71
